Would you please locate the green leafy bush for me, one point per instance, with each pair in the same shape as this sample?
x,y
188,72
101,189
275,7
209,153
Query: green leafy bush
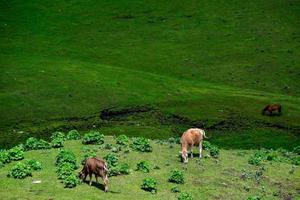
x,y
122,140
207,145
57,142
143,166
34,164
150,185
297,150
71,181
20,171
114,171
93,137
124,168
254,198
73,135
111,159
185,196
4,156
176,176
214,151
141,144
16,153
256,158
175,189
66,156
58,134
108,146
296,160
64,170
89,153
33,143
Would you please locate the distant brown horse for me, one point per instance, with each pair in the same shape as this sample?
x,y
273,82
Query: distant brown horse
x,y
271,108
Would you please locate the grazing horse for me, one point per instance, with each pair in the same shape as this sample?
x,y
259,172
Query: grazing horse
x,y
271,108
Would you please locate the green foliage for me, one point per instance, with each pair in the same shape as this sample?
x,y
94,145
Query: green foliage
x,y
93,137
66,156
34,164
73,135
143,166
297,150
173,140
4,156
256,158
16,153
185,196
58,134
108,146
296,160
122,140
150,185
141,144
175,189
33,143
124,168
207,145
20,171
71,181
176,176
214,151
111,159
57,142
89,153
64,170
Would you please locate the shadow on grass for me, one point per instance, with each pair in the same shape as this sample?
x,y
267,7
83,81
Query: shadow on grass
x,y
99,186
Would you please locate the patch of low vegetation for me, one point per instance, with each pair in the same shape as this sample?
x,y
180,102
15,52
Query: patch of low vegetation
x,y
185,196
141,144
89,152
16,153
33,143
66,164
93,137
20,170
150,185
143,166
57,142
214,151
4,157
73,135
176,176
34,164
124,168
175,189
122,140
58,134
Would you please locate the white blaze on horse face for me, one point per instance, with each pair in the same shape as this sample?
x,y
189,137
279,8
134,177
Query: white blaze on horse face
x,y
184,156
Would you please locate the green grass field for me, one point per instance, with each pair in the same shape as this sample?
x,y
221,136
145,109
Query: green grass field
x,y
208,179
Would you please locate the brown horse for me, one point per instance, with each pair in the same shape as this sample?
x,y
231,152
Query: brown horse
x,y
271,108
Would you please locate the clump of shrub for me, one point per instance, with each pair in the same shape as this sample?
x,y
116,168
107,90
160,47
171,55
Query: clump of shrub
x,y
93,137
214,151
71,181
34,164
66,156
141,144
89,153
33,144
73,135
58,134
296,150
122,140
4,157
176,176
66,164
150,185
256,158
20,171
254,198
175,189
124,168
185,196
16,153
57,142
111,159
143,166
108,146
296,160
64,170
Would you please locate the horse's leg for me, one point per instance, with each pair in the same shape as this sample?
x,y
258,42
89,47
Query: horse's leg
x,y
90,175
200,149
192,156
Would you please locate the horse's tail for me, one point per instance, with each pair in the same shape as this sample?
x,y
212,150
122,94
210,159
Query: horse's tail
x,y
203,133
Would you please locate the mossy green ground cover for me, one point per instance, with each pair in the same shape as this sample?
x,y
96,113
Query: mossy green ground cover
x,y
208,179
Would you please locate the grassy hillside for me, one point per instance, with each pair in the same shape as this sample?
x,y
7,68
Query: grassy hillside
x,y
208,179
62,62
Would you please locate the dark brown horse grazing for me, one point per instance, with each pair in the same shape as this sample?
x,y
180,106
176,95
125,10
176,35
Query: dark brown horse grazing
x,y
271,108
